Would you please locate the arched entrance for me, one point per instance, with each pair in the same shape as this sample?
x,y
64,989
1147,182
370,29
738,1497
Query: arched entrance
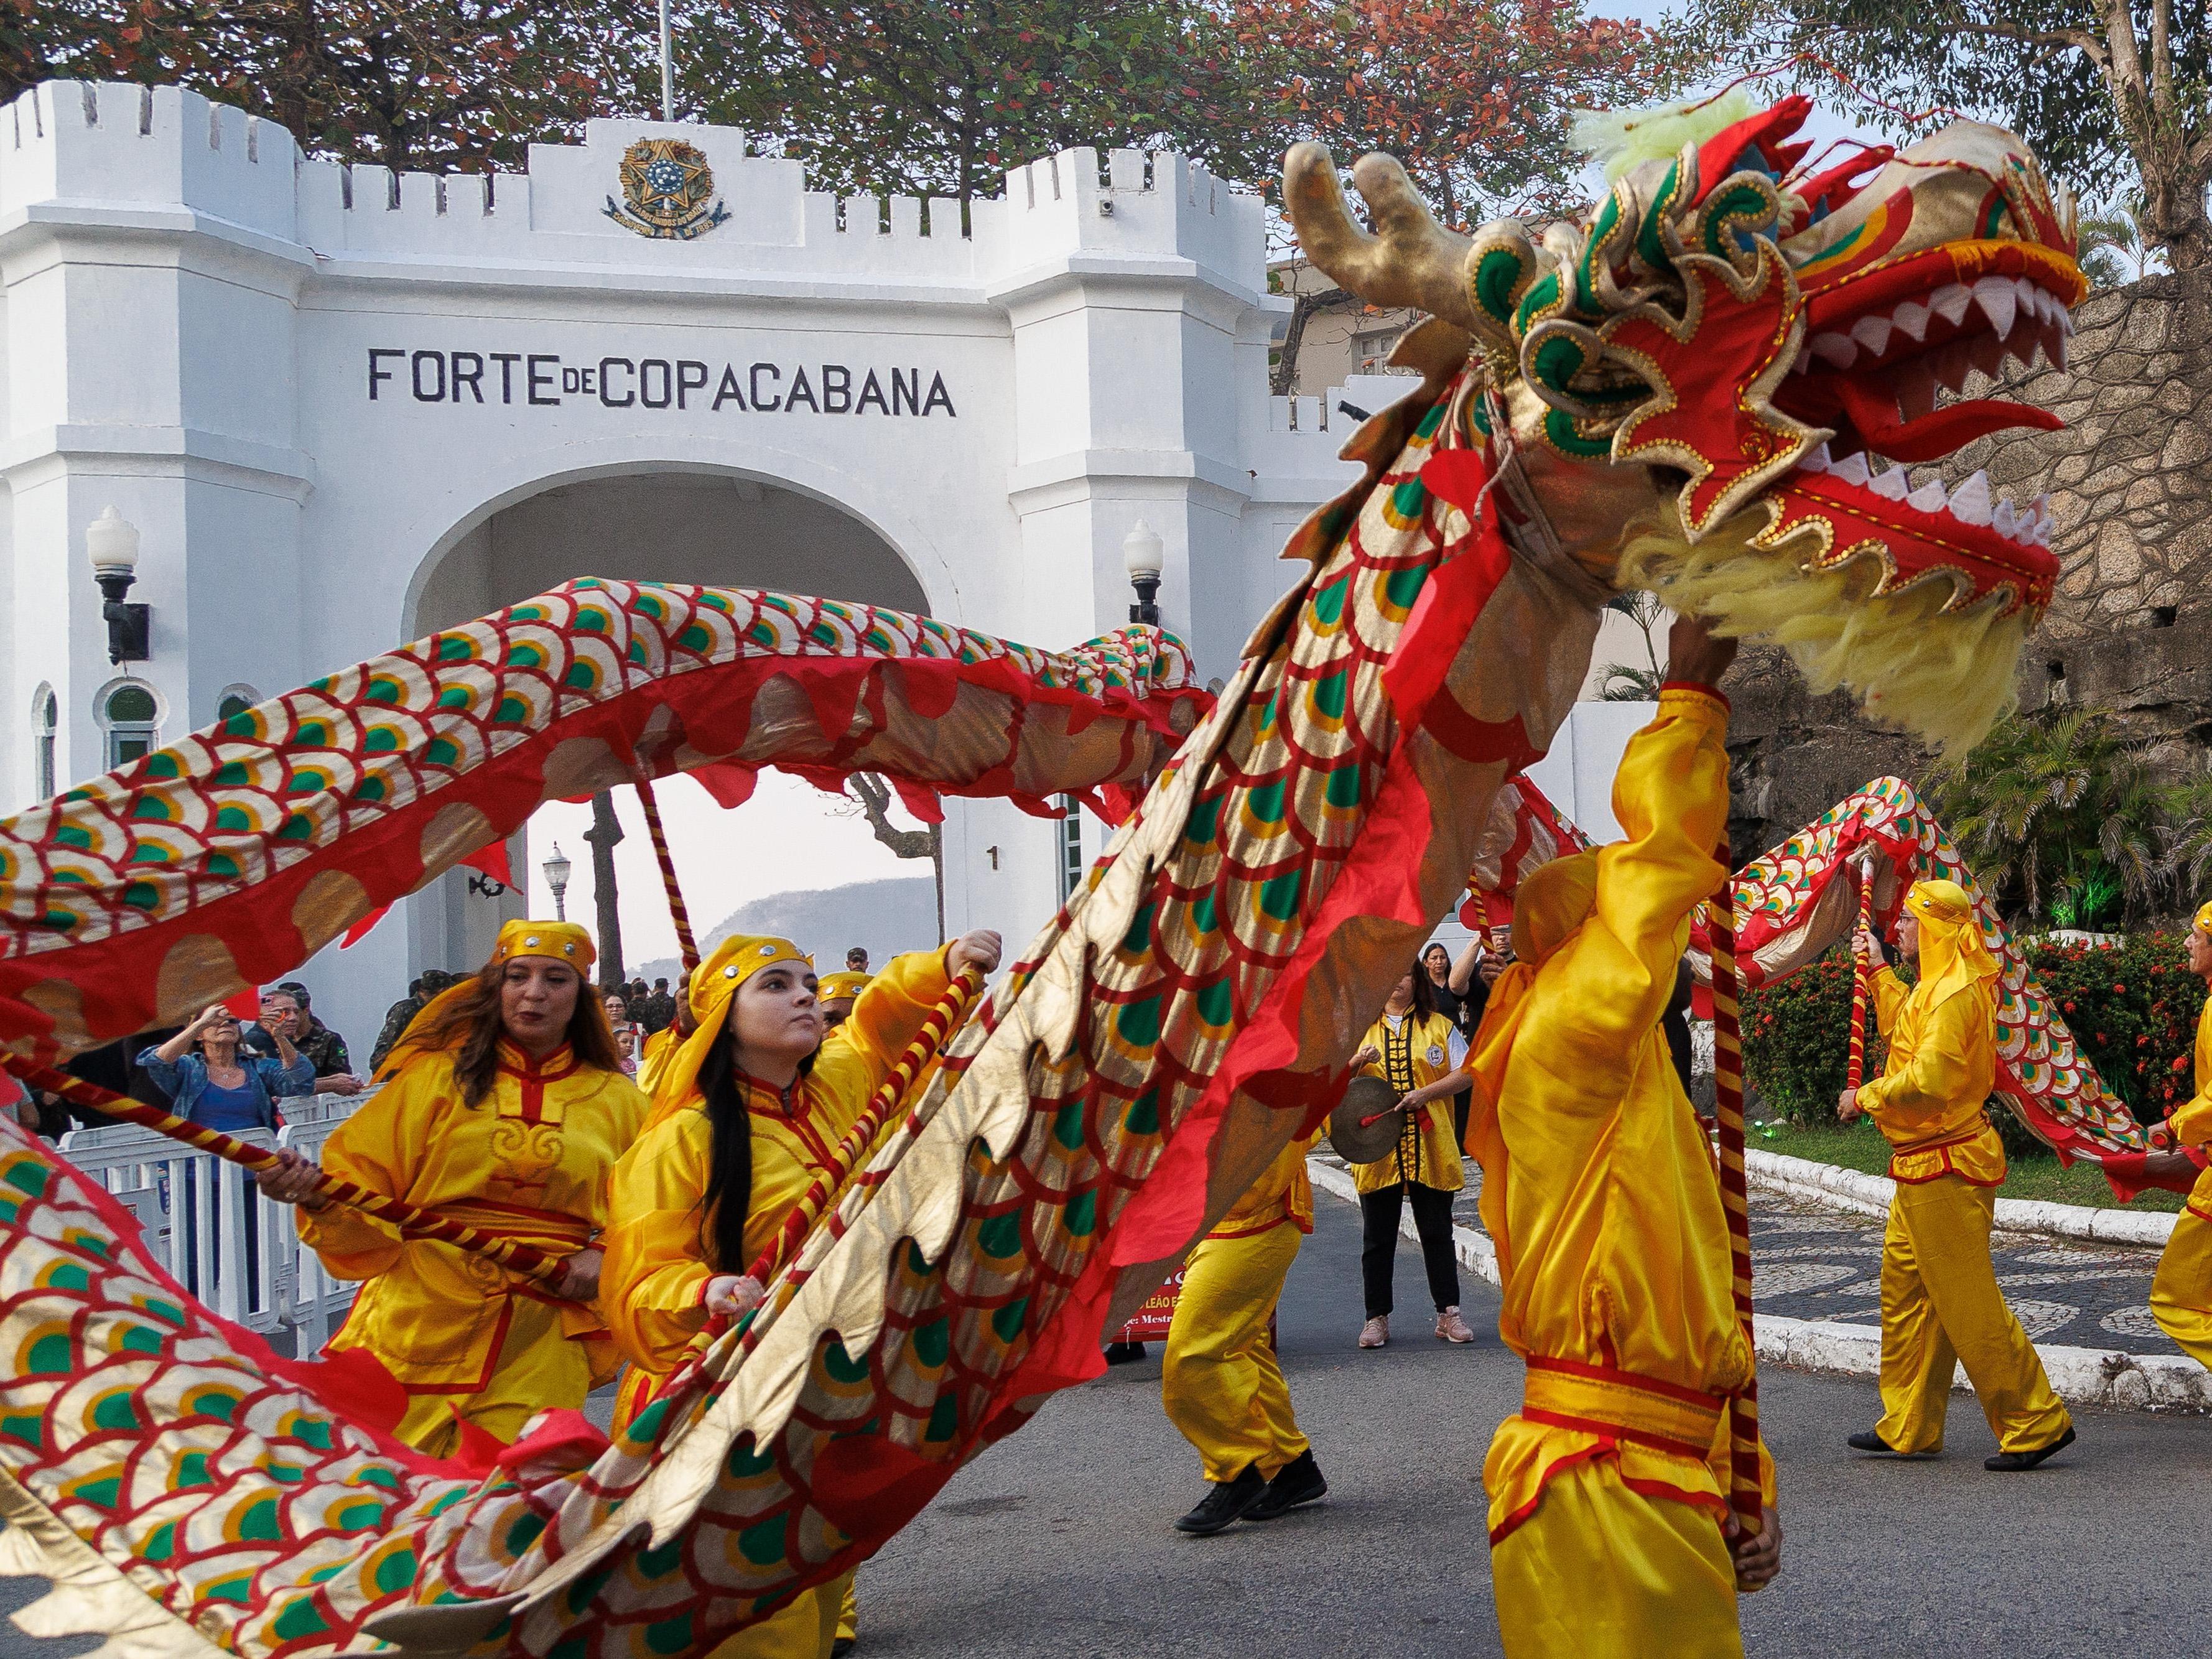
x,y
717,529
713,527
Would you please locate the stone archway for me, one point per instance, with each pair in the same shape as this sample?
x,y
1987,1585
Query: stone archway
x,y
684,524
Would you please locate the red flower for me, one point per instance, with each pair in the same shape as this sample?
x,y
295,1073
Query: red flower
x,y
2181,1062
2069,1007
2119,990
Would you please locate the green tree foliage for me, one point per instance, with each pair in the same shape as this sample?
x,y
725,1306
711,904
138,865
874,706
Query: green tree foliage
x,y
423,84
2056,805
941,97
2112,93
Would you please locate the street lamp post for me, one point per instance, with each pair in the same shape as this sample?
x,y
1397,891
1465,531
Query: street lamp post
x,y
1142,551
556,877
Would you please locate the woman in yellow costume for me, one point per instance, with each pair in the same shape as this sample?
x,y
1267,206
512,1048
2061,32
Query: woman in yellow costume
x,y
505,1107
1422,1056
1220,1382
1609,1532
745,1115
2181,1293
1941,1305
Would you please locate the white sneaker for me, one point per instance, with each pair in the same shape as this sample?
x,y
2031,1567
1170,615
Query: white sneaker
x,y
1376,1331
1452,1328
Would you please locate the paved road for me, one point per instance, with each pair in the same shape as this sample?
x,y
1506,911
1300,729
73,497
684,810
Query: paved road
x,y
1055,1543
1815,1262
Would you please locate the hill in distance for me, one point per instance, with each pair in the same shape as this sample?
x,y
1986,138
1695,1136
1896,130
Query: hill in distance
x,y
888,916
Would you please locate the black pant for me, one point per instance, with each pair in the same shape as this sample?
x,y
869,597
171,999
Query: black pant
x,y
1432,1217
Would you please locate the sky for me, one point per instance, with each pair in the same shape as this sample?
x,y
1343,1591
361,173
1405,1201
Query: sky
x,y
790,836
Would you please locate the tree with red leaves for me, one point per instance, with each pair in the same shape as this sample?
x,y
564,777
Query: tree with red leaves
x,y
1475,100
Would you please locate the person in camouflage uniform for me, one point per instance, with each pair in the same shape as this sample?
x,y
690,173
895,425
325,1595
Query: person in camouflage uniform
x,y
289,1008
401,1014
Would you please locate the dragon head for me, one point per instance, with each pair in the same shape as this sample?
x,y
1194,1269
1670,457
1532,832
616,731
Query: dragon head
x,y
1701,378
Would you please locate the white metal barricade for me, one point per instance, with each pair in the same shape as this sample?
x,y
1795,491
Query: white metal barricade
x,y
206,1222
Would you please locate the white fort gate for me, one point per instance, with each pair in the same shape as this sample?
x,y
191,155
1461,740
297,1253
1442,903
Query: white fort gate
x,y
346,407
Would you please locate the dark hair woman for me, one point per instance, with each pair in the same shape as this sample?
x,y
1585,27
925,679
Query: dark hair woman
x,y
1423,1057
745,1115
504,1106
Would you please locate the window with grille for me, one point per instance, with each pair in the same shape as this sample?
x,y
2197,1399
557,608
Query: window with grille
x,y
1069,831
131,715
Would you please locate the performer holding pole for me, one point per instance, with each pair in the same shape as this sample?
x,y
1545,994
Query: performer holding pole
x,y
2181,1293
747,1119
1941,1305
1610,1532
1219,1379
1862,982
505,1107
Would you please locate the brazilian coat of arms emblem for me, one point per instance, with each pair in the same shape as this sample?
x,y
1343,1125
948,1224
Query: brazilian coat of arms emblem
x,y
668,191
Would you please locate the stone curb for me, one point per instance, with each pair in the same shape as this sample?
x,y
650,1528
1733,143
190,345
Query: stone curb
x,y
1869,1195
2081,1376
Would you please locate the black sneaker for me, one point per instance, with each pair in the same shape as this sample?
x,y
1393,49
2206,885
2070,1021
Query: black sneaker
x,y
1870,1442
1224,1501
844,1645
1124,1354
1297,1482
2013,1462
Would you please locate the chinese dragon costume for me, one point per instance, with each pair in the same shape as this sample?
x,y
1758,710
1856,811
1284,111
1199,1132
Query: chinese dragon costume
x,y
1684,389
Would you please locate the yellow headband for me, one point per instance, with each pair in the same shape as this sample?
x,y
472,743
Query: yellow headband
x,y
731,963
840,986
556,941
1939,900
1555,900
2204,916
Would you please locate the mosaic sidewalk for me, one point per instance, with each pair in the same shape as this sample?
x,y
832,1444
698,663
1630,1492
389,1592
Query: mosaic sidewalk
x,y
1810,1261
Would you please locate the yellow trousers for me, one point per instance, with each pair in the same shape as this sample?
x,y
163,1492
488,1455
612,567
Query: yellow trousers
x,y
2181,1292
539,1368
1940,1306
1220,1380
849,1614
805,1629
1602,1572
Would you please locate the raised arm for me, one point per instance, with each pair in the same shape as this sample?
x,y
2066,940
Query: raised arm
x,y
891,1010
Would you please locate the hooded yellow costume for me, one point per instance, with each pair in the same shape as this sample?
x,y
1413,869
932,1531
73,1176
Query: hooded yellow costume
x,y
1941,1304
1220,1382
2181,1293
1600,1193
469,1340
660,1235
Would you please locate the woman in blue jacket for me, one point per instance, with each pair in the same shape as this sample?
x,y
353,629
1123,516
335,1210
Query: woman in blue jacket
x,y
223,1087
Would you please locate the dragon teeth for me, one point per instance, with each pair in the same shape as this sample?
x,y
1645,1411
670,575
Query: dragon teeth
x,y
1950,302
2000,302
2001,517
1930,497
1838,349
1912,319
1970,501
1872,333
1852,469
1890,485
1818,461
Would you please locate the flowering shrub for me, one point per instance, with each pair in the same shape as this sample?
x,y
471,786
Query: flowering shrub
x,y
1797,1039
2132,1007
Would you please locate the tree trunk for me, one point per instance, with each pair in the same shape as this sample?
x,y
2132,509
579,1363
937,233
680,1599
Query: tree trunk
x,y
1285,375
606,829
875,798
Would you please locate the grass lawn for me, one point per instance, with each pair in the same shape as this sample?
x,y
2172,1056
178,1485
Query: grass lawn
x,y
1860,1147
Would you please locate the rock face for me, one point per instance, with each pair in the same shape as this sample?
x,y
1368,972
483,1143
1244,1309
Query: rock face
x,y
2131,496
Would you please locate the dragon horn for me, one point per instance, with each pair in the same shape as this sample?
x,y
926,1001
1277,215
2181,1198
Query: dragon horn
x,y
1414,261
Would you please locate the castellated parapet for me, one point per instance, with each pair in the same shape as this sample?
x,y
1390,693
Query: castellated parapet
x,y
127,146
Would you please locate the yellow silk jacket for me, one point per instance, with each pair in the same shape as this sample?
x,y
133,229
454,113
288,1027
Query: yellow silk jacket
x,y
658,1235
1929,1099
2191,1121
530,1162
1600,1189
1427,1152
1283,1193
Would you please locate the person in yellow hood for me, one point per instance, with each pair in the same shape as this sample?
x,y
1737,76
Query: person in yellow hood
x,y
838,993
1220,1382
1941,1305
2181,1292
745,1115
1610,1533
503,1106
